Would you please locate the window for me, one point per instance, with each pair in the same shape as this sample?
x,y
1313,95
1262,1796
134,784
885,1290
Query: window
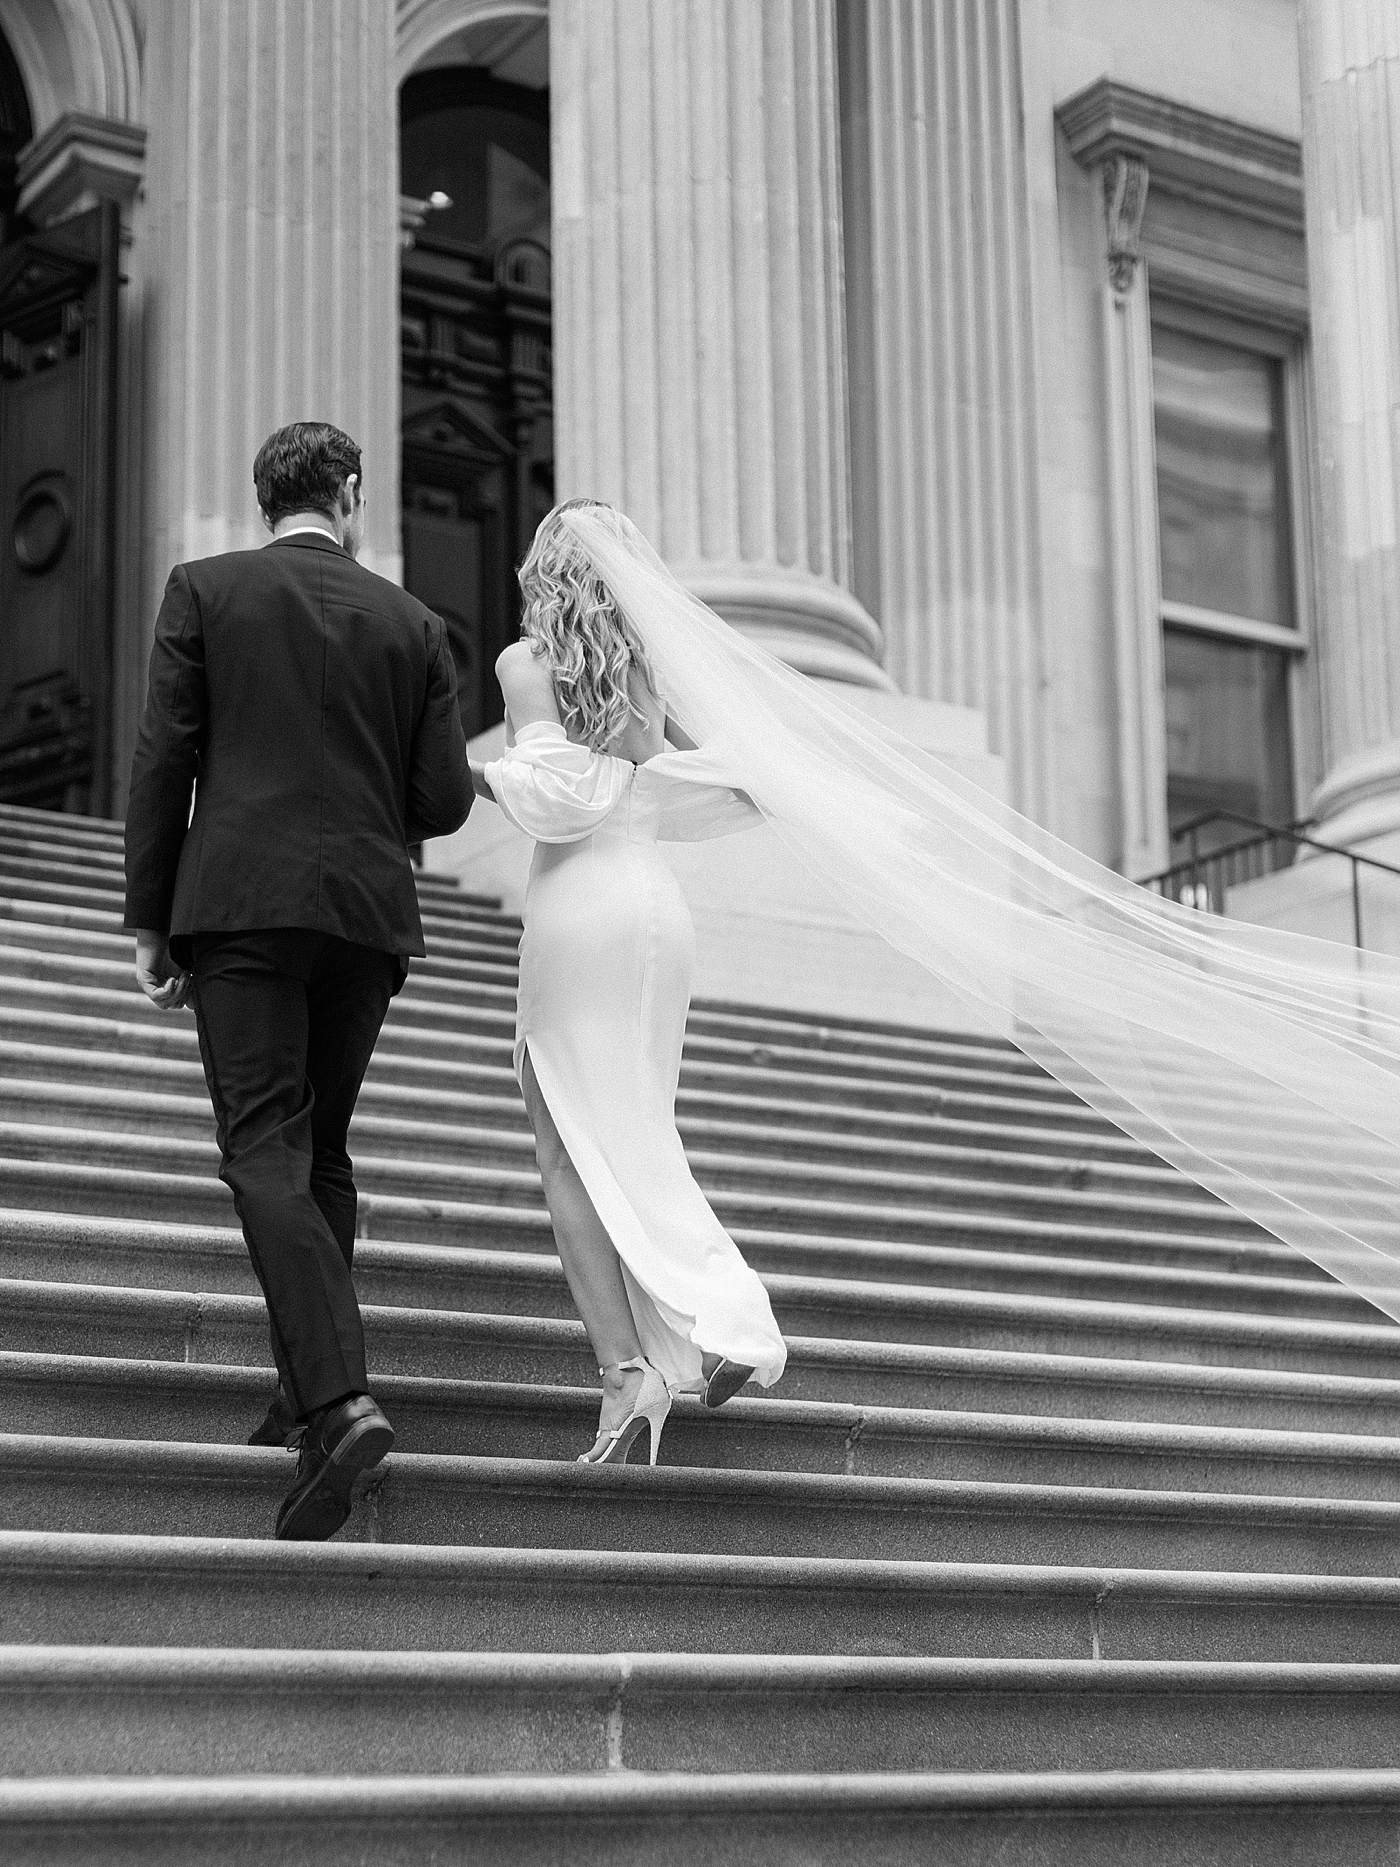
x,y
1229,612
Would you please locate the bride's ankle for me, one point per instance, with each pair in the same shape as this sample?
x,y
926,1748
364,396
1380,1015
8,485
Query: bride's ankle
x,y
618,1381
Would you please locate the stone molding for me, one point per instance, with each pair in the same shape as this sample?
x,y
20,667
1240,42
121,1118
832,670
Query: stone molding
x,y
1201,177
76,55
420,25
79,161
1208,159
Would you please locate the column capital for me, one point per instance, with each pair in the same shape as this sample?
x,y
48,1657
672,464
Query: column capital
x,y
78,162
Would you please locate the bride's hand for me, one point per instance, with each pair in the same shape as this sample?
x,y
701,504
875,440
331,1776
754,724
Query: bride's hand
x,y
479,784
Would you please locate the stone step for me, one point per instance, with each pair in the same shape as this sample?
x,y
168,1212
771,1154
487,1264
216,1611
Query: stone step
x,y
407,1010
98,864
166,1325
485,1011
1210,1818
73,1589
38,1010
72,933
176,1711
149,1255
111,1486
51,885
63,824
857,1200
454,960
98,1397
435,1136
45,1044
42,1014
1001,1255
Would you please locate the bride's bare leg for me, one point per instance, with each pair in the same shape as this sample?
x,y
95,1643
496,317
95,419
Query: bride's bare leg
x,y
590,1260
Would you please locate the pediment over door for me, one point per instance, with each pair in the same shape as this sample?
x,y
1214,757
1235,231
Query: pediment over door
x,y
454,427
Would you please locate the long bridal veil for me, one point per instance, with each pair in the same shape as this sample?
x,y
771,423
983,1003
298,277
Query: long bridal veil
x,y
1266,1065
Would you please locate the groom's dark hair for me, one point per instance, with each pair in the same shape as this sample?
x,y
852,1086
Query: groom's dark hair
x,y
302,468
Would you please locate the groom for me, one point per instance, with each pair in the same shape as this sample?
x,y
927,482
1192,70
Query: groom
x,y
311,708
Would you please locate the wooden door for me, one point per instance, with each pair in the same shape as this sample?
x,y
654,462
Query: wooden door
x,y
58,298
453,561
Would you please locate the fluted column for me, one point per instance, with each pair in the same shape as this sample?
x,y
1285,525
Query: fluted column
x,y
273,220
1351,175
699,347
940,283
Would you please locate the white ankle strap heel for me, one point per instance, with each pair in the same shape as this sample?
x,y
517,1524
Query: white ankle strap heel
x,y
650,1408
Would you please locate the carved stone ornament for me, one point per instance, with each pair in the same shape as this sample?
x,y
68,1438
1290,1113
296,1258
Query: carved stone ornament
x,y
1124,198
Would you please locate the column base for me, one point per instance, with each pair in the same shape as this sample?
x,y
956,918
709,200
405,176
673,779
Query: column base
x,y
810,623
1360,797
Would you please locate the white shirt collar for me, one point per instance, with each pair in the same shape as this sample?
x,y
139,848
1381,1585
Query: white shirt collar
x,y
297,531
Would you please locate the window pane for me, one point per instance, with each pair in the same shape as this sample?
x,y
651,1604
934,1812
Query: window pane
x,y
1221,490
1228,740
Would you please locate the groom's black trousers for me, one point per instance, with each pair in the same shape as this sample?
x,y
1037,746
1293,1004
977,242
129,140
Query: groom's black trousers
x,y
288,1021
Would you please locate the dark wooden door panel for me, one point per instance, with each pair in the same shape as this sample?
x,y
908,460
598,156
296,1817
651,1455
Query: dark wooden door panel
x,y
444,566
57,407
478,468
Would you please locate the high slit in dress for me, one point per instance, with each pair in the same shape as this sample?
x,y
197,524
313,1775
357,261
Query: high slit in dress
x,y
606,961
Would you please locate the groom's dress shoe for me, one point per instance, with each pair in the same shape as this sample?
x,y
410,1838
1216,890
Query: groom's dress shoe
x,y
278,1424
348,1438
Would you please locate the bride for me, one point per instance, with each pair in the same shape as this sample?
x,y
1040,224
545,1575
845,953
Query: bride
x,y
605,968
1264,1064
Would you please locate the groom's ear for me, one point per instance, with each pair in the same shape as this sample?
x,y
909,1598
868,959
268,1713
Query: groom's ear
x,y
351,493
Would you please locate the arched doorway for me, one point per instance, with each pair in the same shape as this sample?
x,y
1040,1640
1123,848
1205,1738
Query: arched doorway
x,y
478,448
58,361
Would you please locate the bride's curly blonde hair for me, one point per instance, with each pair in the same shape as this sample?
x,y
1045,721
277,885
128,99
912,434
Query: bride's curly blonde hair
x,y
571,620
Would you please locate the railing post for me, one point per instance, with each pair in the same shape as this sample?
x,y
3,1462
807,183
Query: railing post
x,y
1356,899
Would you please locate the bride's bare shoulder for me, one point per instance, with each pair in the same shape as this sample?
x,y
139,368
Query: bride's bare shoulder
x,y
527,685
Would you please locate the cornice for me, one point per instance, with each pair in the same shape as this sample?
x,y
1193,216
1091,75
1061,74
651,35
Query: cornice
x,y
79,159
1188,152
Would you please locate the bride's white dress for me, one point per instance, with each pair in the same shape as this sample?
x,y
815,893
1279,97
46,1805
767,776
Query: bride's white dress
x,y
606,962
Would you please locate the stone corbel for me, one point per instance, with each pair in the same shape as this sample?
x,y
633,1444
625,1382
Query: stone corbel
x,y
1124,199
78,163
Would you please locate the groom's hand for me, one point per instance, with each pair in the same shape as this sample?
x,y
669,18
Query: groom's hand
x,y
160,979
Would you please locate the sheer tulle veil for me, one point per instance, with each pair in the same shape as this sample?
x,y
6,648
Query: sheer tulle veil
x,y
1264,1064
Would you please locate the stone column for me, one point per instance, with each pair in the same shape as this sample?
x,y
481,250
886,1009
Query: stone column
x,y
273,224
939,289
1351,174
699,347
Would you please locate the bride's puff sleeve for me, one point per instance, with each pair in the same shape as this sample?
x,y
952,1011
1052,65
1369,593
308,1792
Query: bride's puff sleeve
x,y
553,790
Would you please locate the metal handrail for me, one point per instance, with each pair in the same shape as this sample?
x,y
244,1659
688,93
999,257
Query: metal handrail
x,y
1266,833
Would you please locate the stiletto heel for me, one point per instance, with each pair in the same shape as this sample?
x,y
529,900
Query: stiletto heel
x,y
650,1408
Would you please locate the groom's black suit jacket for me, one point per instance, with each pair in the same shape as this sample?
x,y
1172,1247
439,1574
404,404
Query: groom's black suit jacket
x,y
312,708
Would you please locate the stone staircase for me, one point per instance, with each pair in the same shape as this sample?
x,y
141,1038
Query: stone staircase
x,y
1071,1535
